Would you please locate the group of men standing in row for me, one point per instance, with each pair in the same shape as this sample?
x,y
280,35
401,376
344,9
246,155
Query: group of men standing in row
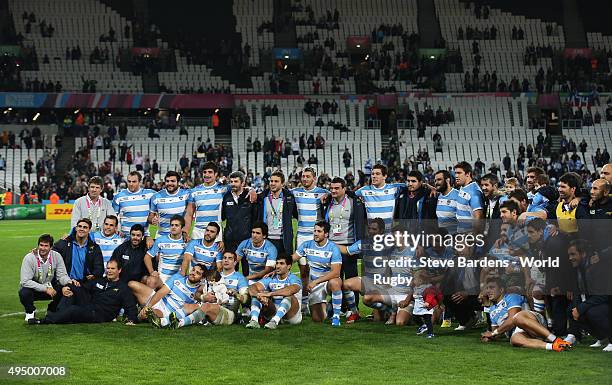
x,y
188,273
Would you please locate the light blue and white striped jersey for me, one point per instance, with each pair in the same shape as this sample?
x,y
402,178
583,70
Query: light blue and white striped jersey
x,y
446,210
133,208
181,292
274,283
257,257
538,203
319,258
168,205
499,311
208,256
380,202
355,248
234,281
470,198
308,203
170,253
207,200
518,238
107,244
401,269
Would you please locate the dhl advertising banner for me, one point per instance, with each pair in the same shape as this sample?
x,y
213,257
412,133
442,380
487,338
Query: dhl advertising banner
x,y
11,212
59,211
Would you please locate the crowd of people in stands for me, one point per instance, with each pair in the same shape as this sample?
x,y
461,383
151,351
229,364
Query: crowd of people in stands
x,y
46,30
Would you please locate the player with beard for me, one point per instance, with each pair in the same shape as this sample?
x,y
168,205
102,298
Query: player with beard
x,y
446,205
277,297
204,204
204,251
168,202
470,200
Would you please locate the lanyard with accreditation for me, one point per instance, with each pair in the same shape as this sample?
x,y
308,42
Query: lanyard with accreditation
x,y
277,213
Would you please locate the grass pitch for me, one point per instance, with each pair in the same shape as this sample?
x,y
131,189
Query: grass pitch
x,y
363,353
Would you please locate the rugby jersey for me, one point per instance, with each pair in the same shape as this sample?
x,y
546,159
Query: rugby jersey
x,y
319,258
133,208
308,203
167,205
380,202
207,201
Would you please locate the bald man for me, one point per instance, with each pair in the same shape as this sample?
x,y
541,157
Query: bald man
x,y
606,172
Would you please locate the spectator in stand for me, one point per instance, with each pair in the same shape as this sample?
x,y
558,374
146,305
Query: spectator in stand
x,y
138,162
346,158
256,145
311,142
27,166
319,142
249,144
313,159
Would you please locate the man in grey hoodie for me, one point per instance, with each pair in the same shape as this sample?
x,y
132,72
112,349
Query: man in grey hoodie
x,y
43,273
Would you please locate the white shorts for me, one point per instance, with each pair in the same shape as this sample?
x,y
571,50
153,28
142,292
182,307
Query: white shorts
x,y
539,278
296,319
301,239
225,316
198,233
318,294
541,321
393,300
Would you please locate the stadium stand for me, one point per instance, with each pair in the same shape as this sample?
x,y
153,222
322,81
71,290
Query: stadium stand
x,y
79,28
504,55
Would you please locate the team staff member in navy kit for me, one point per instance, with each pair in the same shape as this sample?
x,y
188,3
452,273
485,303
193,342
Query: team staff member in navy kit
x,y
239,215
130,255
82,256
95,301
277,209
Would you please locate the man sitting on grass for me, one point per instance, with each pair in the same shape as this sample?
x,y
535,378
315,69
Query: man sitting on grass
x,y
277,297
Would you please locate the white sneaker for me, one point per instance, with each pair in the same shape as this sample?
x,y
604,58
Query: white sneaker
x,y
571,339
608,348
460,328
597,344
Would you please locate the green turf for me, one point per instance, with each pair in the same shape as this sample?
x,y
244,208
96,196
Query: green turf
x,y
363,353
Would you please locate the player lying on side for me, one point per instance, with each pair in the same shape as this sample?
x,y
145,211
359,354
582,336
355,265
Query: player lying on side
x,y
526,328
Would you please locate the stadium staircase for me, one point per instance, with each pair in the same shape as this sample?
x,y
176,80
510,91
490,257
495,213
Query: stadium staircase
x,y
150,82
63,163
429,25
285,36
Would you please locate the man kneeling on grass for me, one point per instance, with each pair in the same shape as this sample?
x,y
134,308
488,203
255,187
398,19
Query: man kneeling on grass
x,y
525,328
277,297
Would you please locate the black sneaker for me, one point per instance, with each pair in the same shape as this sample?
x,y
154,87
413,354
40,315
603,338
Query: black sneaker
x,y
34,321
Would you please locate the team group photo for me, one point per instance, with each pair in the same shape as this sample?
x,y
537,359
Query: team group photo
x,y
411,191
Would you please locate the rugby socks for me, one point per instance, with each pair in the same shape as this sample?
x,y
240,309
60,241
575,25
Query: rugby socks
x,y
539,305
349,297
380,306
255,309
192,318
282,309
337,302
551,338
304,301
164,321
